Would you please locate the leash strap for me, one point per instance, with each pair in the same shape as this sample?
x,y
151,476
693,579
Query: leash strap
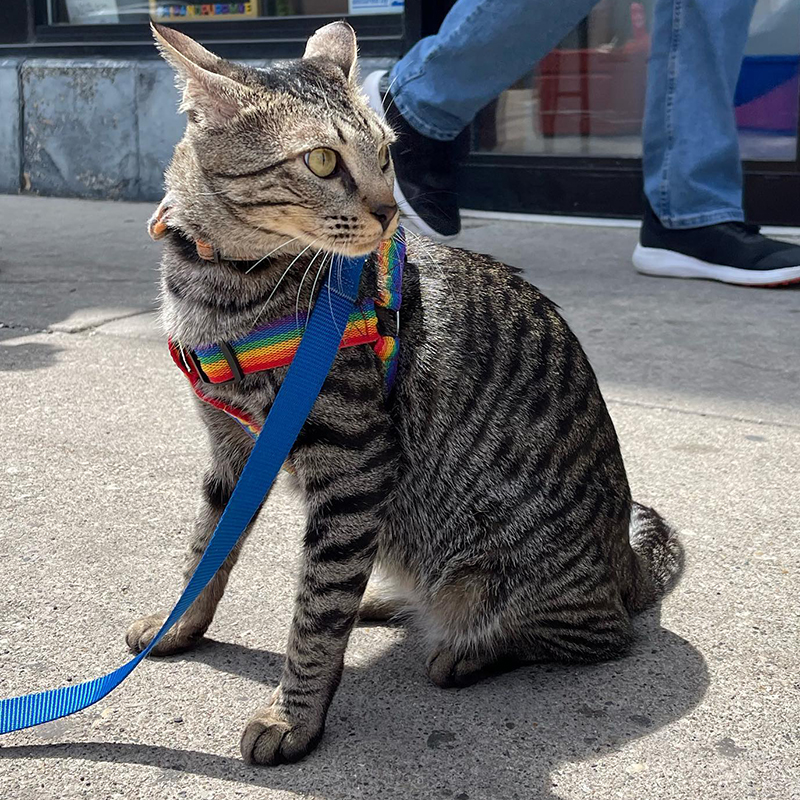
x,y
291,408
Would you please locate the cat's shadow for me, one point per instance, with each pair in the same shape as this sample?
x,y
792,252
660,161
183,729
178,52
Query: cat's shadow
x,y
391,733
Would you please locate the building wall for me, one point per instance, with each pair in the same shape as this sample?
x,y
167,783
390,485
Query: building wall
x,y
91,128
10,129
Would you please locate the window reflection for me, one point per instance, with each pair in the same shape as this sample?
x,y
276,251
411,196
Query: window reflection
x,y
104,12
586,97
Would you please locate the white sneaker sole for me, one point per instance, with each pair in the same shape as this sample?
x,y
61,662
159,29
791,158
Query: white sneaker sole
x,y
371,87
669,264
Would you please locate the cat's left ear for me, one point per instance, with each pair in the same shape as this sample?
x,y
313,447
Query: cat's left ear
x,y
337,43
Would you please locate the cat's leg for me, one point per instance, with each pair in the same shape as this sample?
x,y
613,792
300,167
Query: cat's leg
x,y
378,604
473,619
347,472
230,450
450,666
461,621
599,629
472,641
389,593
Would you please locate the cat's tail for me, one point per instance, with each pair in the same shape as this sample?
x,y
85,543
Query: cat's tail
x,y
660,552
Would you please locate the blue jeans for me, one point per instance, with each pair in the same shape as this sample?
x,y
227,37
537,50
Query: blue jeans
x,y
692,170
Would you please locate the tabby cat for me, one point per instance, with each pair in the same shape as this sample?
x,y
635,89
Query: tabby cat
x,y
487,487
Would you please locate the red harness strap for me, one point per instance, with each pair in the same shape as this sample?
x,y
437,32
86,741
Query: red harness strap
x,y
252,426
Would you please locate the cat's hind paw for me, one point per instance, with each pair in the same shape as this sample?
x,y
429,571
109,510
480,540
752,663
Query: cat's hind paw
x,y
450,670
175,640
270,739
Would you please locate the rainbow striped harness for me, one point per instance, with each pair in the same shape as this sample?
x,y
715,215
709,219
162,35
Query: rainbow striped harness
x,y
275,343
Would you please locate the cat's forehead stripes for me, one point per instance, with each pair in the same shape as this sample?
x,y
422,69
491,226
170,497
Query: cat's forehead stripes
x,y
303,85
307,129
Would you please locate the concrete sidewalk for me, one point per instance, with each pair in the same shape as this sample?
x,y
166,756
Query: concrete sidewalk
x,y
102,457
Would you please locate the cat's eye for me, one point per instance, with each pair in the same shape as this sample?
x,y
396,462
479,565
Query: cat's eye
x,y
383,157
321,161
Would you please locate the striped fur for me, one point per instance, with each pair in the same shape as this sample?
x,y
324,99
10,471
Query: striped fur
x,y
488,489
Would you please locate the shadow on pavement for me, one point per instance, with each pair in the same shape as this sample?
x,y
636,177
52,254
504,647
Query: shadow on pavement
x,y
391,733
25,356
70,265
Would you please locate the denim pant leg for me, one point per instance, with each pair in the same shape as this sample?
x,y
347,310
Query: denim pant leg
x,y
482,47
692,169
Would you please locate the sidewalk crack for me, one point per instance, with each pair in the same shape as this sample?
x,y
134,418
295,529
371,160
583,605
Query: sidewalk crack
x,y
710,414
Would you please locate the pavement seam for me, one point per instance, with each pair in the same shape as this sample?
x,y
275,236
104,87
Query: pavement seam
x,y
91,327
87,328
689,413
11,326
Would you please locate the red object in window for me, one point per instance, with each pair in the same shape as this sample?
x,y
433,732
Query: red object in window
x,y
595,91
640,38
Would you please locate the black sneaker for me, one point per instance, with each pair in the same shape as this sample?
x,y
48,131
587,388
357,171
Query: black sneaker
x,y
731,252
425,169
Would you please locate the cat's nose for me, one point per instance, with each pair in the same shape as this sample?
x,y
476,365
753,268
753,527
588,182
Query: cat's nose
x,y
384,214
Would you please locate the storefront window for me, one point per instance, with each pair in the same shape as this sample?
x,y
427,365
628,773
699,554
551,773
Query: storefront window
x,y
104,12
586,98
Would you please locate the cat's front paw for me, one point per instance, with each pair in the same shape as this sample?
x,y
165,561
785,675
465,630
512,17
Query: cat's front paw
x,y
271,737
175,640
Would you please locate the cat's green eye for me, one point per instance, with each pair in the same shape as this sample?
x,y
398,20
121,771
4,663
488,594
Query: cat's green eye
x,y
322,161
383,157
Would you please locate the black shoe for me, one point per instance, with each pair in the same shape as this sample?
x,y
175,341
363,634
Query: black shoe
x,y
731,252
425,169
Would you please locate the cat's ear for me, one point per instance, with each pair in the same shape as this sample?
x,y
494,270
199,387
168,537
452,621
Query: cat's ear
x,y
208,94
337,43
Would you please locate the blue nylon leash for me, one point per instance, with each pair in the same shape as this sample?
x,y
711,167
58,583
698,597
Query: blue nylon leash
x,y
291,408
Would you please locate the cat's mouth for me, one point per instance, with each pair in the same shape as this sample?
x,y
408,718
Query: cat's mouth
x,y
352,247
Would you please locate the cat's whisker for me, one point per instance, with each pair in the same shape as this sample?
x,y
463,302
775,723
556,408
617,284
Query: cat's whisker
x,y
338,267
316,278
300,288
330,306
389,89
280,281
275,250
423,246
383,99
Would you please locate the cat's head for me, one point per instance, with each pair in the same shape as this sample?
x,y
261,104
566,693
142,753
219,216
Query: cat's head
x,y
290,154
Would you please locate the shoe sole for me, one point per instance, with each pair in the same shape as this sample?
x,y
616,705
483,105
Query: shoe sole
x,y
670,264
371,87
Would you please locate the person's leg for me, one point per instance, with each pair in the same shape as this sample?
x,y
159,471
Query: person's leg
x,y
481,48
691,163
693,227
432,93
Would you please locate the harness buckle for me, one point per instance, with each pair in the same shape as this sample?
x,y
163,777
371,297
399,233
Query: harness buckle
x,y
187,354
230,357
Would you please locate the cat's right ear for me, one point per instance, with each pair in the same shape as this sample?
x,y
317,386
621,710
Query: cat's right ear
x,y
336,42
208,95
